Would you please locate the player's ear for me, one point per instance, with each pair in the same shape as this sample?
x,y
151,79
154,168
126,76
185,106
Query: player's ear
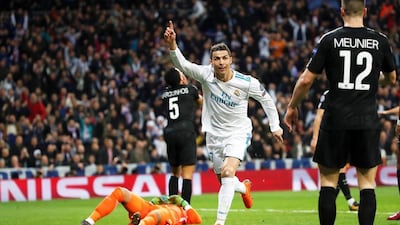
x,y
341,12
183,79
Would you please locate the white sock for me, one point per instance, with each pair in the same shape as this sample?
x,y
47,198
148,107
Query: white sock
x,y
239,186
351,201
90,220
225,197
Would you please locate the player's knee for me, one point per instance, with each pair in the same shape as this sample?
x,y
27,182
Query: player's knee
x,y
227,171
122,194
119,194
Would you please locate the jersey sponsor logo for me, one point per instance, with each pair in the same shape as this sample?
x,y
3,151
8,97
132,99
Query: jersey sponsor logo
x,y
346,42
180,91
224,99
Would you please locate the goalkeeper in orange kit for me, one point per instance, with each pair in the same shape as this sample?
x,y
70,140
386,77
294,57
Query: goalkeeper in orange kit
x,y
164,210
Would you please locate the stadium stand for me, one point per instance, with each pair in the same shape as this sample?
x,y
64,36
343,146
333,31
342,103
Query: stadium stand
x,y
70,79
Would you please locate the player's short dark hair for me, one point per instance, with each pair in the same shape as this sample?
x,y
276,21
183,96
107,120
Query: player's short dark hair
x,y
220,47
353,7
172,77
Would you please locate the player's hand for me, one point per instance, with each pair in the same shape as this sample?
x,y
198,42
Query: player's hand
x,y
278,135
160,200
291,118
178,200
170,35
313,144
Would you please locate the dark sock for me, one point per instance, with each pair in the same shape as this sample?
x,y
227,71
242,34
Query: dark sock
x,y
187,189
367,208
327,205
344,186
173,185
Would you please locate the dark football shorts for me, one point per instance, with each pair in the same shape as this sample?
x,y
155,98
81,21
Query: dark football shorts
x,y
360,148
181,147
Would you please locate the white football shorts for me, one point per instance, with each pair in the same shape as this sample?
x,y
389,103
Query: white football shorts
x,y
231,146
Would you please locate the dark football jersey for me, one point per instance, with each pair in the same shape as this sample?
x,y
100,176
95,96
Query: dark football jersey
x,y
179,106
352,59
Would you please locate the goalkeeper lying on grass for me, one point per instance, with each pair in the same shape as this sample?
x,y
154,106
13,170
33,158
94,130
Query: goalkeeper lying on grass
x,y
172,210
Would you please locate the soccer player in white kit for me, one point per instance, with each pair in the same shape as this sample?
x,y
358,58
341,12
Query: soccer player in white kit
x,y
224,116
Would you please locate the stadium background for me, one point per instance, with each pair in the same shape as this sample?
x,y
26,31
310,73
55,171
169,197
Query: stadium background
x,y
95,69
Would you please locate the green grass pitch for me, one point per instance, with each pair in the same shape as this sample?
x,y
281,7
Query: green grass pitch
x,y
275,208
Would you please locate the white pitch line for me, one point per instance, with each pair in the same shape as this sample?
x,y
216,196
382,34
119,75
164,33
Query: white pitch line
x,y
286,211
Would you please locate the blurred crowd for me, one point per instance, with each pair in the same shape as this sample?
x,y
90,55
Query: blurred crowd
x,y
80,81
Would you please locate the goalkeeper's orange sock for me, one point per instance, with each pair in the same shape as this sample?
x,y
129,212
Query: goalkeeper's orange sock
x,y
107,205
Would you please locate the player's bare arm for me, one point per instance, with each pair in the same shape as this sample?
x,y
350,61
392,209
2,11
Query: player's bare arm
x,y
317,123
170,36
387,78
301,89
392,111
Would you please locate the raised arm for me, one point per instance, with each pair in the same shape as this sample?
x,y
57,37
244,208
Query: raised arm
x,y
188,68
170,36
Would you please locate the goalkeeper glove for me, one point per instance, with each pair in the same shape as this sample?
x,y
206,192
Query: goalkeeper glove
x,y
159,200
178,200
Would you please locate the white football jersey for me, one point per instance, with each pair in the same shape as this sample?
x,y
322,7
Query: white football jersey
x,y
225,104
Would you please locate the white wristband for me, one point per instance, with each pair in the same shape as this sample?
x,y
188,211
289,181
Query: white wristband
x,y
398,122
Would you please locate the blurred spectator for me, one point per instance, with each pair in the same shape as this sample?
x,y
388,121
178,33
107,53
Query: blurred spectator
x,y
51,152
2,163
298,148
24,157
141,153
198,12
99,170
39,173
256,148
86,129
76,165
75,72
108,155
15,149
6,156
36,108
278,151
15,162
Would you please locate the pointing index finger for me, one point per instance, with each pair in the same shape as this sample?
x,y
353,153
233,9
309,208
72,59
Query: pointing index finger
x,y
171,24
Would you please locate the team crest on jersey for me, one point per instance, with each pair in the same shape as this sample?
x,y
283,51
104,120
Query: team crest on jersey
x,y
236,92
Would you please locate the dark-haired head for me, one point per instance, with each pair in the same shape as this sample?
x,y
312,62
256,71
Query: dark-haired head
x,y
220,47
172,77
353,7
